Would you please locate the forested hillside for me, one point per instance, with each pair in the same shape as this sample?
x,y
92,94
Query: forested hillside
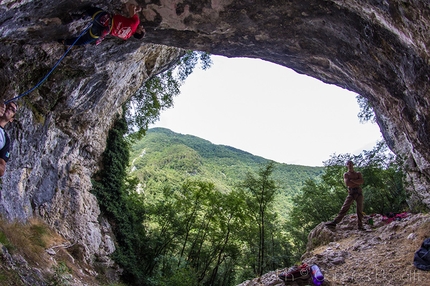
x,y
165,157
188,212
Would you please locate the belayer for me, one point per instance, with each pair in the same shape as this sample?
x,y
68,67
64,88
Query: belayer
x,y
105,24
7,114
353,181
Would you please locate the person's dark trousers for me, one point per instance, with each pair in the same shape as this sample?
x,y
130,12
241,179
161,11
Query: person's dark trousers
x,y
94,32
356,196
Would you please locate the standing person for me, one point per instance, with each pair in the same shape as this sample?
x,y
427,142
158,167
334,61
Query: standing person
x,y
105,24
7,114
352,180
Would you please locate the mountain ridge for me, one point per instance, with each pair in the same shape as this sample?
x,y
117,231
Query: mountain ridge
x,y
179,135
192,158
223,162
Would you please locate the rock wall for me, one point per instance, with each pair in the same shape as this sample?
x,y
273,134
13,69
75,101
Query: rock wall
x,y
61,128
379,49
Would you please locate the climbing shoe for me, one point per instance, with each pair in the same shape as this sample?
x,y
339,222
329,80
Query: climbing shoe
x,y
294,273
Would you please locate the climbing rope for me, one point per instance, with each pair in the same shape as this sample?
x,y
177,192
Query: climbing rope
x,y
53,68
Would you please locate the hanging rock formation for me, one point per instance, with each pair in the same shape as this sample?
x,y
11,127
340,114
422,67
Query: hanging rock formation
x,y
378,49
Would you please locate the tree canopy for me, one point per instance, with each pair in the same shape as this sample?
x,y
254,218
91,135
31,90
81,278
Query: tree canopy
x,y
158,92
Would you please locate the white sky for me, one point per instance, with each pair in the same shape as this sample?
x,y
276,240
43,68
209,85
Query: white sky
x,y
269,111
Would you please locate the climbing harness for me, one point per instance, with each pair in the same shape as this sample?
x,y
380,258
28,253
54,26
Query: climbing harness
x,y
53,68
103,19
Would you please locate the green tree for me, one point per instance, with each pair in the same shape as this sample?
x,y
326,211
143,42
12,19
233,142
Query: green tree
x,y
124,209
321,200
262,190
366,113
231,216
317,202
383,187
196,229
157,93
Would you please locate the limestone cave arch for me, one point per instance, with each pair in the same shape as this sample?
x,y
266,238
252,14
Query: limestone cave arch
x,y
376,48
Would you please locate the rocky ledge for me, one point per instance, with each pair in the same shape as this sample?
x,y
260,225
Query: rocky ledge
x,y
381,255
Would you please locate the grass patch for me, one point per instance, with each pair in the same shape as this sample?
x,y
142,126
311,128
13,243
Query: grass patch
x,y
9,278
29,239
61,271
424,230
5,241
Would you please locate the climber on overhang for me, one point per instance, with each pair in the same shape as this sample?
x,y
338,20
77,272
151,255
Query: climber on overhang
x,y
7,114
105,23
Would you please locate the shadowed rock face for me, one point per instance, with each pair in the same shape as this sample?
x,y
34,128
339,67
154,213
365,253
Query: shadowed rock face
x,y
378,49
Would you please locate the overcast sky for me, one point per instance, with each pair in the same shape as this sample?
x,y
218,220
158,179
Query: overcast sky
x,y
269,111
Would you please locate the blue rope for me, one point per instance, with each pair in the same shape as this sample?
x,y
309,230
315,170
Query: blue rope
x,y
53,68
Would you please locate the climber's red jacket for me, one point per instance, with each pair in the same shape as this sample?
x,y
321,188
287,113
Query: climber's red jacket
x,y
123,27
